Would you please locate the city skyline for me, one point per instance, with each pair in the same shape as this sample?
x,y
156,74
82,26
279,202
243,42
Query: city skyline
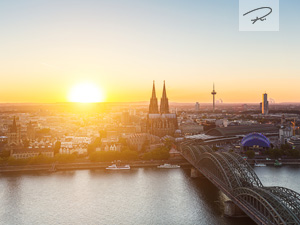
x,y
121,47
149,112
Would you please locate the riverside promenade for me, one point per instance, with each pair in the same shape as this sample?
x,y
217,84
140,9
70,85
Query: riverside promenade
x,y
85,165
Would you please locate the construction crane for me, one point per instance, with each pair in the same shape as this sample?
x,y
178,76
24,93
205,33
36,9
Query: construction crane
x,y
294,127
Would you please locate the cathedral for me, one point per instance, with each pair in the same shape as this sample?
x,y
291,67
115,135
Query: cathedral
x,y
161,123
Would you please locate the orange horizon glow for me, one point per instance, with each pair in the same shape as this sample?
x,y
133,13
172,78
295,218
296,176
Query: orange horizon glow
x,y
123,51
92,92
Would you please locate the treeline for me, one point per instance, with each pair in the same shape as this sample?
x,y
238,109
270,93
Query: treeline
x,y
157,154
60,158
108,156
278,153
275,153
160,153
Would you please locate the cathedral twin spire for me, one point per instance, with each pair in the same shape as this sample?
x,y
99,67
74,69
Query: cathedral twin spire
x,y
164,103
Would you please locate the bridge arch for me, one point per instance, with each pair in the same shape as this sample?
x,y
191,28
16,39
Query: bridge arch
x,y
245,172
237,179
230,170
210,164
267,205
288,197
188,152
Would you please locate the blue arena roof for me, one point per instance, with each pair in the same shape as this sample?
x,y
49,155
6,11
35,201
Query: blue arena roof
x,y
255,139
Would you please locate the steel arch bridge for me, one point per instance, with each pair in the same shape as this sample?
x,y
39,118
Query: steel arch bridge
x,y
237,179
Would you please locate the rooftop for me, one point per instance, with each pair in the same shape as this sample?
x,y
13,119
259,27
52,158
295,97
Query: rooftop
x,y
240,130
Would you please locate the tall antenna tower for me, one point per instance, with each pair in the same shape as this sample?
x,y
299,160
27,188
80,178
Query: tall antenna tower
x,y
213,94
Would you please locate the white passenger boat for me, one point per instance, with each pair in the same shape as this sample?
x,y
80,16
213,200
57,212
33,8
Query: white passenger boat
x,y
115,167
168,166
259,164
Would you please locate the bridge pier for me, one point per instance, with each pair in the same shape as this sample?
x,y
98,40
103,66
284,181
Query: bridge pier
x,y
196,174
231,210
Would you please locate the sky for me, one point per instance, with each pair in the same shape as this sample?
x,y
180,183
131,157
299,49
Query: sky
x,y
121,46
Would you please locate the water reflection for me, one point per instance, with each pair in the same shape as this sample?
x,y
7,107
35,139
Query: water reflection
x,y
138,196
11,194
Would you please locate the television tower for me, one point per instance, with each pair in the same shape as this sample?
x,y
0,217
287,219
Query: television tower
x,y
214,93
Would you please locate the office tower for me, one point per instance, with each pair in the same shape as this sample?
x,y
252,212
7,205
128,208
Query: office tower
x,y
265,104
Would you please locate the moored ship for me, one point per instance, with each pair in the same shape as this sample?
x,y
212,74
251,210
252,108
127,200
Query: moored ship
x,y
277,163
259,164
115,167
168,166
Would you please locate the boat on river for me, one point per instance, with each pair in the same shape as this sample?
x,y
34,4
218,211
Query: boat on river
x,y
168,166
277,163
115,167
259,164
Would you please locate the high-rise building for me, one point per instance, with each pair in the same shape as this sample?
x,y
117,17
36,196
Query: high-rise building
x,y
161,123
197,107
265,104
213,94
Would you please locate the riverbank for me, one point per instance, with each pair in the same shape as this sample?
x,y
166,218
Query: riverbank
x,y
285,162
103,165
86,166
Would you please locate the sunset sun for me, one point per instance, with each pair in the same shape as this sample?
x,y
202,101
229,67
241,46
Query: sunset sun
x,y
86,93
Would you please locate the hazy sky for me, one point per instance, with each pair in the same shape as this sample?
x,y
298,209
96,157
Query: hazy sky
x,y
48,46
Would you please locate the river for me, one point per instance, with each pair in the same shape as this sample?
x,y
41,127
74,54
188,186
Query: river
x,y
140,196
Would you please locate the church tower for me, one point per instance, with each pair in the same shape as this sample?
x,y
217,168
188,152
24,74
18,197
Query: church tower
x,y
164,102
161,123
153,107
14,134
14,128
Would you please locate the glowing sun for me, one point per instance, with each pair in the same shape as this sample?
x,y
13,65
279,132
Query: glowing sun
x,y
86,93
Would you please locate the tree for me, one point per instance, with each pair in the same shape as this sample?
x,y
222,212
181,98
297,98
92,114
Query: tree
x,y
4,154
92,147
129,155
275,153
157,154
26,143
285,147
2,161
57,146
104,156
250,154
168,143
123,141
144,146
43,131
103,133
65,158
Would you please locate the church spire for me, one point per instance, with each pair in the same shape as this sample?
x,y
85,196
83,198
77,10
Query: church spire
x,y
14,125
164,103
153,90
153,107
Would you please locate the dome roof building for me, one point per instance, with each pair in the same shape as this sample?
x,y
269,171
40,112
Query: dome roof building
x,y
255,141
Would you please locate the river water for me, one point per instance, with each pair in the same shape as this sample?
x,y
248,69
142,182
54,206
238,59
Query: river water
x,y
140,196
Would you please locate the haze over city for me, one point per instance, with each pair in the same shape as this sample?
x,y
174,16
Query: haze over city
x,y
48,47
149,112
